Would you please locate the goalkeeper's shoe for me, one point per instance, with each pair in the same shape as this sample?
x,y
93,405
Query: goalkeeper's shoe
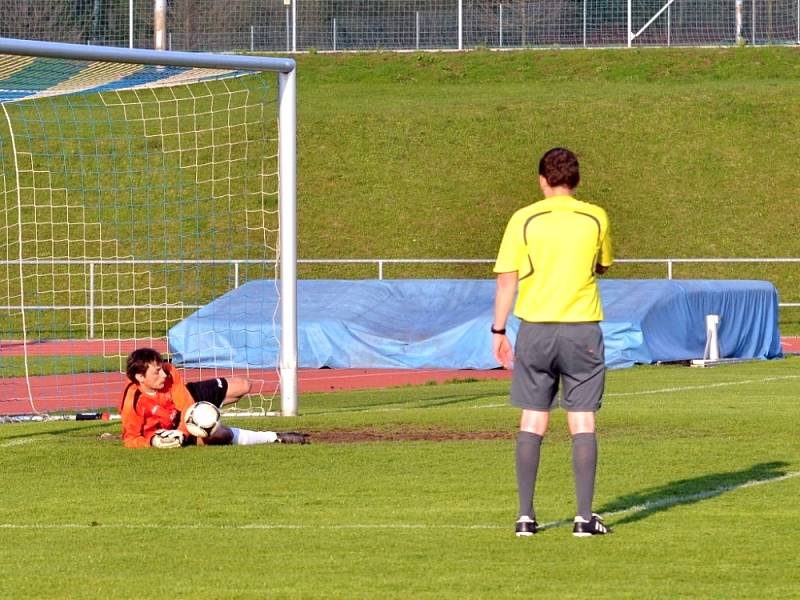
x,y
525,527
292,437
594,526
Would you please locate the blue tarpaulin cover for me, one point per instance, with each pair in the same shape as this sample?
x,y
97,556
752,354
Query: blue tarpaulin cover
x,y
444,323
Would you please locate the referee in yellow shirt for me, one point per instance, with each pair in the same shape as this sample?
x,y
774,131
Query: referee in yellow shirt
x,y
549,257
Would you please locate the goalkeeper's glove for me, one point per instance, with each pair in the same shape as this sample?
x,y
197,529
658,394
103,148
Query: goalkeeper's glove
x,y
167,438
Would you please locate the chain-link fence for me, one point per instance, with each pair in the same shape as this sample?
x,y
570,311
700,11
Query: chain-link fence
x,y
283,26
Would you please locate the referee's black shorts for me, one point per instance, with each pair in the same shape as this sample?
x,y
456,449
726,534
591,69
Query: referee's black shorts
x,y
549,354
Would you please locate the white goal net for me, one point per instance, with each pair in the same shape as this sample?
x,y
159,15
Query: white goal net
x,y
131,195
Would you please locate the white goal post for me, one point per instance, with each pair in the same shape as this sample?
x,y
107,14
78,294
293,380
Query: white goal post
x,y
21,179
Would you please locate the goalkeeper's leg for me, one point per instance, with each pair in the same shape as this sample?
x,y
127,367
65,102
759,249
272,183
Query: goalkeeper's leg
x,y
238,386
220,391
247,437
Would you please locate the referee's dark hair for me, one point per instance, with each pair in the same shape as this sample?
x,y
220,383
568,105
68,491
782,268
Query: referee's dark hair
x,y
559,166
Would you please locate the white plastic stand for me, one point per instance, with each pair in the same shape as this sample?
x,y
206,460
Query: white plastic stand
x,y
712,341
711,355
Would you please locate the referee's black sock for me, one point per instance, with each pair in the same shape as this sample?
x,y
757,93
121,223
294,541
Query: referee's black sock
x,y
527,453
584,466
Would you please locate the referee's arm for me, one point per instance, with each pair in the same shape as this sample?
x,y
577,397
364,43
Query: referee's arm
x,y
503,301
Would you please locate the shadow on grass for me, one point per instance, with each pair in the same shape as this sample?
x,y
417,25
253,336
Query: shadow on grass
x,y
640,505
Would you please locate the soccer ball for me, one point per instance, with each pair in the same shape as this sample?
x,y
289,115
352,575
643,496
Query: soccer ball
x,y
202,419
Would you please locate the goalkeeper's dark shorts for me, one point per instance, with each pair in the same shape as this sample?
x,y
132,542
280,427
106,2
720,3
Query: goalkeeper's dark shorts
x,y
209,390
549,354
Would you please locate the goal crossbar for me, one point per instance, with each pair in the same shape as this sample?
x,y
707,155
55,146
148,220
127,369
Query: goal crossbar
x,y
148,57
287,155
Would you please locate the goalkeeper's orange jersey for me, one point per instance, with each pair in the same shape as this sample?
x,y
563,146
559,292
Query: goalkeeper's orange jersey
x,y
143,414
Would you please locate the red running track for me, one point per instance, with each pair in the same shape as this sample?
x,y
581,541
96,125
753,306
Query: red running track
x,y
100,390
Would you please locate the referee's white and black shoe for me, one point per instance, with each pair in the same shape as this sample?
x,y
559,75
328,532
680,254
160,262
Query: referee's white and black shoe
x,y
525,527
594,526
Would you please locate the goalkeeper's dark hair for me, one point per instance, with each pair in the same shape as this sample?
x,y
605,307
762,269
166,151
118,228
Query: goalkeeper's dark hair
x,y
559,167
139,360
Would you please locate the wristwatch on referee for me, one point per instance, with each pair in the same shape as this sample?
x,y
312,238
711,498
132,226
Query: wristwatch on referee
x,y
498,331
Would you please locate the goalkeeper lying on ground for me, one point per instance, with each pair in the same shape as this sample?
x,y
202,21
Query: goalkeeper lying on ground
x,y
155,400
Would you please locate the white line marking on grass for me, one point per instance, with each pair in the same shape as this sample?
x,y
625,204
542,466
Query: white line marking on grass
x,y
689,388
253,526
420,404
656,504
20,441
672,390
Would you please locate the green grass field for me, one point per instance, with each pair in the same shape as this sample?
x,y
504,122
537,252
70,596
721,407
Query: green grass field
x,y
693,153
699,475
697,144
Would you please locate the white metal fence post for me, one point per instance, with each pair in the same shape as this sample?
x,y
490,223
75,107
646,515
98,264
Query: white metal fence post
x,y
460,24
501,25
294,25
669,25
630,24
130,23
739,8
584,23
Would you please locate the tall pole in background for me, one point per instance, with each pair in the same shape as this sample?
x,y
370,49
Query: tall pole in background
x,y
630,24
294,23
739,7
460,24
584,23
160,24
130,23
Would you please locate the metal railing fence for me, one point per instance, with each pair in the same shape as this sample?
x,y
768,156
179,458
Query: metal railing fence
x,y
346,25
380,265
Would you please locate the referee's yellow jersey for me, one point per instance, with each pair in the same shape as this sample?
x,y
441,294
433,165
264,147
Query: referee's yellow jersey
x,y
554,245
